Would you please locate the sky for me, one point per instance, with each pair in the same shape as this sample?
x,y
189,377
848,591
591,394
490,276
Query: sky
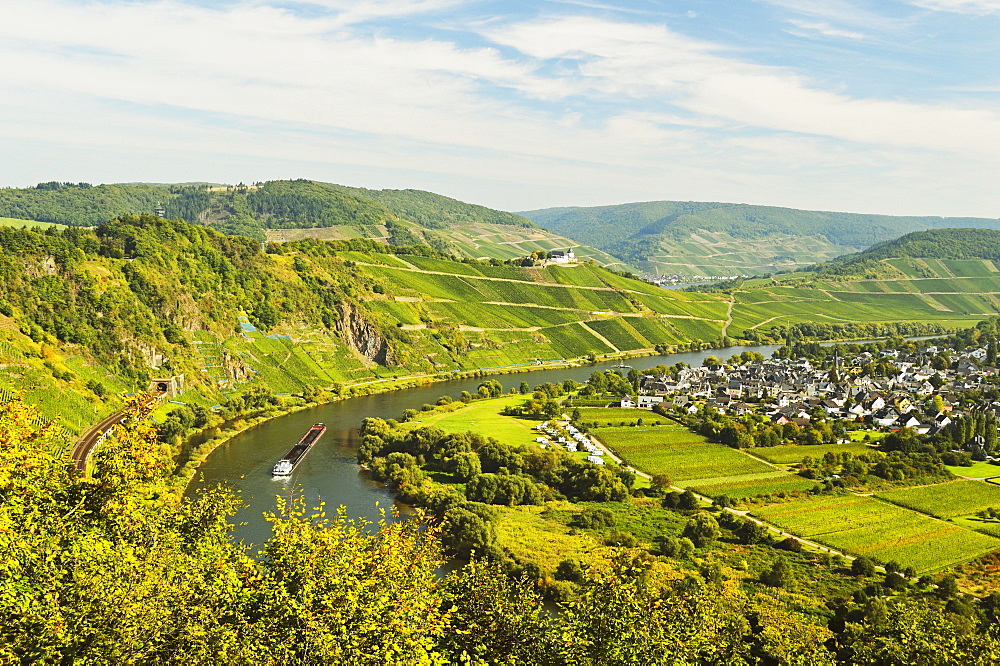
x,y
847,105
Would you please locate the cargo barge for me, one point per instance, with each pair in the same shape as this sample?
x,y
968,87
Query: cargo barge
x,y
286,465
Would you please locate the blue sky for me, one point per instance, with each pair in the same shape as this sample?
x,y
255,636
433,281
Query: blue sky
x,y
887,107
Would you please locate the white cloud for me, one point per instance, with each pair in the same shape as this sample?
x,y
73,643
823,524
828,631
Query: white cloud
x,y
826,29
976,7
838,13
654,64
574,107
358,11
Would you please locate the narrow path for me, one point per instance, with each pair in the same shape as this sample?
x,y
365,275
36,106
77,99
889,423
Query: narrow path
x,y
766,462
767,321
729,317
601,337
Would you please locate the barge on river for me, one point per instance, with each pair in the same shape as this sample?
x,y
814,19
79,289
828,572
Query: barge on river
x,y
286,465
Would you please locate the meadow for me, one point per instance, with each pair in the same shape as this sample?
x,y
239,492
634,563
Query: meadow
x,y
978,470
481,416
29,224
602,416
880,530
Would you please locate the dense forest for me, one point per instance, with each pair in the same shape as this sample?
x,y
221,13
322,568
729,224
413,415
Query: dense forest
x,y
247,210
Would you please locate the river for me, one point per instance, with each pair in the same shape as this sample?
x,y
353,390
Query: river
x,y
330,471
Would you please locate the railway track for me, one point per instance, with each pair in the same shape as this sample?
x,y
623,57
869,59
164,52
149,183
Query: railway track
x,y
86,444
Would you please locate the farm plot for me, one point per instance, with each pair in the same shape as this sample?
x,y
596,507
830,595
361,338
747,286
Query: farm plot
x,y
791,454
617,415
678,453
745,488
946,500
573,340
655,331
883,531
697,329
620,333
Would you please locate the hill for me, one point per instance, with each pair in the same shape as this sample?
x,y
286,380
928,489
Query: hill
x,y
288,209
88,315
720,239
943,276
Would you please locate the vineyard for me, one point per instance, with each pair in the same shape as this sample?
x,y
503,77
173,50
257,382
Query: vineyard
x,y
677,453
946,500
883,531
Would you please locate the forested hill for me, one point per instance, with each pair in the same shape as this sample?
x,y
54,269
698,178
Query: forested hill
x,y
88,314
283,210
701,238
930,244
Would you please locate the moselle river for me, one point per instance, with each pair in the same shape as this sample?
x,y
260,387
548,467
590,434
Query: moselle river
x,y
330,471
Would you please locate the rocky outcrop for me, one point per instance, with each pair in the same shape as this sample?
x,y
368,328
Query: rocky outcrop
x,y
236,370
360,334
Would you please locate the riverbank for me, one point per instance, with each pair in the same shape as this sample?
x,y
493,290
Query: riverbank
x,y
224,434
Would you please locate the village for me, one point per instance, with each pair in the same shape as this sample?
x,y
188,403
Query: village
x,y
914,393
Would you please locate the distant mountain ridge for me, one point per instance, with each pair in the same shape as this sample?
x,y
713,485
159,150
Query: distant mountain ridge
x,y
330,211
725,239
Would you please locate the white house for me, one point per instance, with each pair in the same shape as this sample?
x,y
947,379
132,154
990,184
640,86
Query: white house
x,y
648,401
559,257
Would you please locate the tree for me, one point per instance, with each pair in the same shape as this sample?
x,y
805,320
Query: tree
x,y
779,575
465,465
570,569
660,483
687,501
750,532
862,566
947,586
702,529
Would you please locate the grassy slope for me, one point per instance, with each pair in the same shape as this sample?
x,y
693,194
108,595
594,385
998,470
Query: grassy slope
x,y
28,224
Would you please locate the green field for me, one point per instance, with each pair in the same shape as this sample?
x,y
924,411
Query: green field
x,y
678,453
787,455
618,415
946,500
978,470
482,416
743,488
21,224
886,532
